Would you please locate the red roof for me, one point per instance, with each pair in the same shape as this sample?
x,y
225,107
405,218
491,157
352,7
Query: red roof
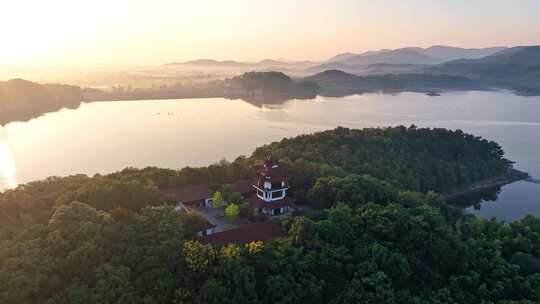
x,y
272,170
190,193
259,203
261,231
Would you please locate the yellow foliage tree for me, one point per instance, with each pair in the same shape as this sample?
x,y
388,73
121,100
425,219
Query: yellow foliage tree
x,y
232,211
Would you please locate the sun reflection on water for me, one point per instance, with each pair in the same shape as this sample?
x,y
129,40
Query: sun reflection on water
x,y
8,178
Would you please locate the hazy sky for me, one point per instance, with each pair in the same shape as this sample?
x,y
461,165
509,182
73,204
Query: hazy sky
x,y
159,31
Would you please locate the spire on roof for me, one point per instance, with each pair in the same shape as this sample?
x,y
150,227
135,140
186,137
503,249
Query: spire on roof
x,y
271,161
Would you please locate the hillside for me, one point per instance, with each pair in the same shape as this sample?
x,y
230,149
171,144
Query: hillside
x,y
342,57
448,53
398,56
414,55
23,100
268,86
338,82
516,68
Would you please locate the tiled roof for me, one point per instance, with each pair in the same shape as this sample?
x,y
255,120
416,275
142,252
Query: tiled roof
x,y
190,193
261,231
273,170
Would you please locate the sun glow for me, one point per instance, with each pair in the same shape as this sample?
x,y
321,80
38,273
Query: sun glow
x,y
67,31
144,31
8,178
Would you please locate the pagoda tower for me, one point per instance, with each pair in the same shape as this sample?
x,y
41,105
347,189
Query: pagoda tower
x,y
272,186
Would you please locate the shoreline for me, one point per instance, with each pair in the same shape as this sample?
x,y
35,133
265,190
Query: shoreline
x,y
25,114
511,176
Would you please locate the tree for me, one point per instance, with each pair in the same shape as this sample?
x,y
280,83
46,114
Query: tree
x,y
226,191
113,285
232,211
198,257
193,223
217,200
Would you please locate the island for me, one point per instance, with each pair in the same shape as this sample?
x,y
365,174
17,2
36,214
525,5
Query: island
x,y
369,226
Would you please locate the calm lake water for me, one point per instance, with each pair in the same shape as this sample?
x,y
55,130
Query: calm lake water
x,y
103,137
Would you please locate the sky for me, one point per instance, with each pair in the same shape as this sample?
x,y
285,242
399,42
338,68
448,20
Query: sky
x,y
160,31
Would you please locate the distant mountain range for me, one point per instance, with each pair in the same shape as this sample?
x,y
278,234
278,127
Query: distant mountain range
x,y
447,53
409,55
399,56
514,68
379,62
413,55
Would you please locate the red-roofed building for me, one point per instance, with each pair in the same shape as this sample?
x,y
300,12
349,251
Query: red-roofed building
x,y
200,195
193,195
271,189
261,231
268,194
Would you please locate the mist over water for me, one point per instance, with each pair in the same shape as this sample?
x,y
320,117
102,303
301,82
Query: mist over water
x,y
103,137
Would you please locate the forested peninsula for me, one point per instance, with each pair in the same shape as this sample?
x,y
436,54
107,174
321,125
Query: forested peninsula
x,y
373,229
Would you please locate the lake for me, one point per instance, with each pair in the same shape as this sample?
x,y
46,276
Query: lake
x,y
103,137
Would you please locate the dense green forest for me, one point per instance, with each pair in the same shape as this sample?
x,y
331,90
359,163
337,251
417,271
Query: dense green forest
x,y
377,232
412,158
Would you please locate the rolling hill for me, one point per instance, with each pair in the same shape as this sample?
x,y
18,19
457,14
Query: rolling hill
x,y
448,53
516,68
399,56
335,82
414,55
